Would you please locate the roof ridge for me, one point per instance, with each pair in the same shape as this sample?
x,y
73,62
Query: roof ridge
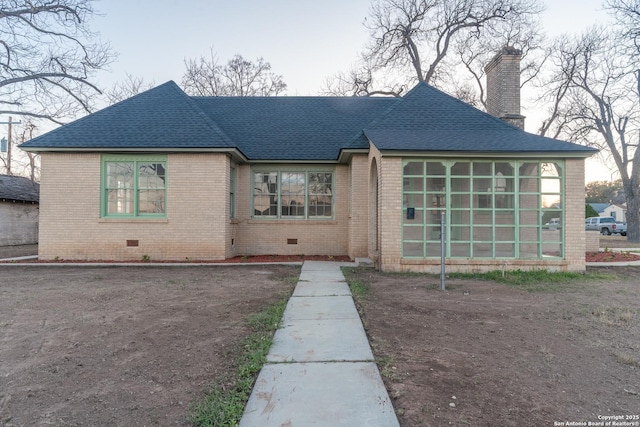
x,y
213,125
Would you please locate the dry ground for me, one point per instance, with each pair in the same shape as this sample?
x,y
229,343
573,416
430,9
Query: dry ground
x,y
484,354
129,346
122,346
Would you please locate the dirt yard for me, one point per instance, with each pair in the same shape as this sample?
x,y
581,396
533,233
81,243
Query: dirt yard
x,y
133,346
484,354
123,346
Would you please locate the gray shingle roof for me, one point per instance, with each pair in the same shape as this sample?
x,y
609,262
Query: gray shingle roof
x,y
430,120
158,118
296,128
18,188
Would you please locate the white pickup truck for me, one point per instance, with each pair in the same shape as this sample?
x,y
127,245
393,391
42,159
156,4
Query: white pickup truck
x,y
605,225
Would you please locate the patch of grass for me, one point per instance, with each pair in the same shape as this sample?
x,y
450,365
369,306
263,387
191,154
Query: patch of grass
x,y
359,289
225,402
386,365
535,280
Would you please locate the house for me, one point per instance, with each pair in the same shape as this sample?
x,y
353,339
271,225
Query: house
x,y
18,211
619,212
171,177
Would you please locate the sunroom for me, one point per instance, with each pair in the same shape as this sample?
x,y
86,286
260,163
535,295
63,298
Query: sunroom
x,y
491,209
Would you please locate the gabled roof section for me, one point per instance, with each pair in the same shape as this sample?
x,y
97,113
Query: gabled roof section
x,y
19,189
428,120
161,118
295,128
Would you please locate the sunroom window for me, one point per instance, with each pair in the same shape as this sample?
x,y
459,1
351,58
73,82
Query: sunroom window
x,y
493,209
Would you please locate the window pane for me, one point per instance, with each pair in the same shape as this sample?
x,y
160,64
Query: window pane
x,y
292,193
461,250
410,249
529,169
505,250
529,201
120,201
528,233
483,250
481,185
436,168
460,184
505,234
413,200
460,168
120,187
483,234
460,201
505,169
552,249
320,194
413,233
460,233
482,169
529,185
550,185
412,184
551,169
529,250
265,194
151,175
151,201
414,168
151,184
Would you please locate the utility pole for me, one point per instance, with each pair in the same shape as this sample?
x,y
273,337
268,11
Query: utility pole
x,y
10,123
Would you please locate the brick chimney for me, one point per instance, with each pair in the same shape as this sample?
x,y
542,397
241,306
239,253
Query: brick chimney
x,y
503,86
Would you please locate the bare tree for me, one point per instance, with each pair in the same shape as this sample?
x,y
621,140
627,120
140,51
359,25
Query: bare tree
x,y
627,16
433,40
127,88
238,77
595,94
48,57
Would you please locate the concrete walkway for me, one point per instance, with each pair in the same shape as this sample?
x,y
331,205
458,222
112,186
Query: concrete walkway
x,y
320,369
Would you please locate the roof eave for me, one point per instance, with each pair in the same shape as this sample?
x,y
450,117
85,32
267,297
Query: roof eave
x,y
492,154
235,153
347,153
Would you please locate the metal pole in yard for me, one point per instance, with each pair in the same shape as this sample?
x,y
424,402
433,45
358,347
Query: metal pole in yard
x,y
442,249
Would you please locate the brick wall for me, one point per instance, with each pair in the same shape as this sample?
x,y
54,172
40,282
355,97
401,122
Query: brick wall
x,y
390,211
196,226
575,235
358,206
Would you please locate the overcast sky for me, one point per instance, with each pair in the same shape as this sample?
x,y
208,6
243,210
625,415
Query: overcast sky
x,y
305,41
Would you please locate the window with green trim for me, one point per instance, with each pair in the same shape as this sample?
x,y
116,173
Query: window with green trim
x,y
134,186
293,194
492,209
